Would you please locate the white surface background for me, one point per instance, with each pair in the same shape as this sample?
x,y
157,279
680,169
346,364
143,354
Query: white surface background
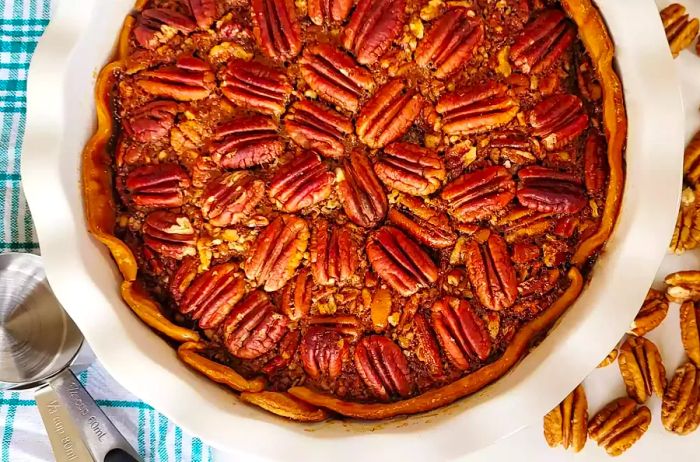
x,y
604,385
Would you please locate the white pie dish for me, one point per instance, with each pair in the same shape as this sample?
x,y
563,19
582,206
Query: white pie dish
x,y
79,42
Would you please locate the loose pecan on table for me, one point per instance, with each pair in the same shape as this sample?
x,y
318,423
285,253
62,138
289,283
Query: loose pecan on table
x,y
362,196
211,295
460,331
383,367
680,407
151,122
399,261
558,120
372,27
277,252
189,79
230,198
548,190
609,359
652,313
388,114
335,76
691,160
253,327
255,86
170,234
157,185
245,142
491,272
333,253
683,286
619,425
276,28
450,42
642,369
425,224
480,194
680,29
477,109
543,41
690,331
318,128
410,168
302,182
567,423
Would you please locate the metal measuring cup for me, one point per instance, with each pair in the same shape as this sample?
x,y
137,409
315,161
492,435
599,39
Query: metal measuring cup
x,y
38,343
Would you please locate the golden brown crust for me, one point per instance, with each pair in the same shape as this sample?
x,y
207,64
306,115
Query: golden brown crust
x,y
187,352
285,405
599,45
467,385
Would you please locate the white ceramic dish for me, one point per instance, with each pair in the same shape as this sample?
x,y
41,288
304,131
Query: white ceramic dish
x,y
79,42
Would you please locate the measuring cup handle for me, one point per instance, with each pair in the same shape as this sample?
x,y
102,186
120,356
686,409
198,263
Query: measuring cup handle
x,y
98,433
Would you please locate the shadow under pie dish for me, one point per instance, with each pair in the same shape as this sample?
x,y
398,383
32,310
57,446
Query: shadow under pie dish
x,y
361,210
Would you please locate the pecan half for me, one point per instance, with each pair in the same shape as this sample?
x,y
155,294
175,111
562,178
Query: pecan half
x,y
542,42
477,108
157,185
253,328
388,114
567,424
245,142
691,160
151,122
256,86
514,146
190,79
641,368
296,296
302,182
609,359
360,192
491,272
277,252
232,197
333,255
690,331
335,76
450,42
558,120
323,352
619,425
170,234
522,223
212,295
680,407
383,367
683,286
426,347
680,30
345,324
595,163
548,190
686,235
398,260
652,313
480,194
204,12
461,332
328,11
285,353
276,28
410,168
314,126
155,26
372,27
423,223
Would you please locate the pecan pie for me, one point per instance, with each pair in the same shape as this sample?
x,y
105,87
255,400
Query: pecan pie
x,y
359,208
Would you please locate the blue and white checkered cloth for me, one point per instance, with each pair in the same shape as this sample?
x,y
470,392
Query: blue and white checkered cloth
x,y
23,438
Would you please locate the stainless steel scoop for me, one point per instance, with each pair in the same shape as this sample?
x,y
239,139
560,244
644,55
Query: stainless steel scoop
x,y
38,343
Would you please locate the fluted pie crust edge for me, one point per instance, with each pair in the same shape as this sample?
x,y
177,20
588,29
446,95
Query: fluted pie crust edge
x,y
301,403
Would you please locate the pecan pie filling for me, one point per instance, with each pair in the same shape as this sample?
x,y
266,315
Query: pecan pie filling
x,y
363,208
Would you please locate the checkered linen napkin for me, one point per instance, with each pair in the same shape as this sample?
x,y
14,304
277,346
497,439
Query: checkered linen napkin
x,y
22,434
